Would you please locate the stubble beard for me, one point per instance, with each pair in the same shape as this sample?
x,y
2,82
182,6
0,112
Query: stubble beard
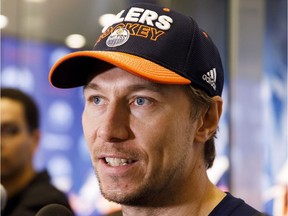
x,y
155,192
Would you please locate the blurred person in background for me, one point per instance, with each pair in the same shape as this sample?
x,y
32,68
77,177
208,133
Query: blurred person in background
x,y
27,190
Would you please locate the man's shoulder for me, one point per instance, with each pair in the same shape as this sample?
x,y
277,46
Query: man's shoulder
x,y
232,206
41,192
37,194
42,186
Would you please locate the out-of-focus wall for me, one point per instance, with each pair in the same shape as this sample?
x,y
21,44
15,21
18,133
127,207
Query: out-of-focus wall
x,y
258,92
246,72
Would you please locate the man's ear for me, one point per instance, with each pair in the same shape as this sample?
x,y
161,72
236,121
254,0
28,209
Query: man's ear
x,y
208,120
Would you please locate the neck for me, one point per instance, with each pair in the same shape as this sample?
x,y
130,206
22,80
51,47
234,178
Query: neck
x,y
17,182
199,197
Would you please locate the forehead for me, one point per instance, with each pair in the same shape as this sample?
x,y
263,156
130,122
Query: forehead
x,y
114,74
11,110
117,77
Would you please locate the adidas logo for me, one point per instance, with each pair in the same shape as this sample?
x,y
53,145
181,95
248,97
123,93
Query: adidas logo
x,y
210,77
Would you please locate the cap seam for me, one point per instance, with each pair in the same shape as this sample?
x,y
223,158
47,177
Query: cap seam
x,y
190,50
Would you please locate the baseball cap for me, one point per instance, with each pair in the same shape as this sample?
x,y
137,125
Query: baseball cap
x,y
150,41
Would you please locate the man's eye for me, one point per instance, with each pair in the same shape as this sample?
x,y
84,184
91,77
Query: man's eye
x,y
140,101
96,100
10,130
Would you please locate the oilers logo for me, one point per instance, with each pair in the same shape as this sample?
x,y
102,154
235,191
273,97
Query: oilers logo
x,y
118,37
136,22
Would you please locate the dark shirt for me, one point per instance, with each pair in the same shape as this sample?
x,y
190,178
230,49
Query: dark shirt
x,y
38,193
231,206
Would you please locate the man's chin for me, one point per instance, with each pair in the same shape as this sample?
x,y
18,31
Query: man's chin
x,y
128,199
119,196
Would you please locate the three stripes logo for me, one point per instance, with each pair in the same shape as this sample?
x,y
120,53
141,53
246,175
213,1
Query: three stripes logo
x,y
210,77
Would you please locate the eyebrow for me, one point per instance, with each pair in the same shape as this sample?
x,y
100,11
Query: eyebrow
x,y
91,86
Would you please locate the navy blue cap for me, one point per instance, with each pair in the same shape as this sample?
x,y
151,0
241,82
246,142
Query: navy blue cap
x,y
150,41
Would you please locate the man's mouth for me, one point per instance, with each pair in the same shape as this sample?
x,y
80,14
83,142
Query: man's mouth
x,y
117,161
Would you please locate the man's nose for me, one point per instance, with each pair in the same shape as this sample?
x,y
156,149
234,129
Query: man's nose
x,y
114,126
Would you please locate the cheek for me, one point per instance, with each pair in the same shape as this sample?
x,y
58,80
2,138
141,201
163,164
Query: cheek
x,y
20,149
171,138
162,137
88,125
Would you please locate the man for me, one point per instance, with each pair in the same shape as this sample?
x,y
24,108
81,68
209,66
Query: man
x,y
152,88
27,191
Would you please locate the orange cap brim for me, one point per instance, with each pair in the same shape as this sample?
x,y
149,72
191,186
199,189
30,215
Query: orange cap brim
x,y
66,67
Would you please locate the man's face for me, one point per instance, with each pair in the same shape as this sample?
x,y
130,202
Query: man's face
x,y
17,143
140,136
